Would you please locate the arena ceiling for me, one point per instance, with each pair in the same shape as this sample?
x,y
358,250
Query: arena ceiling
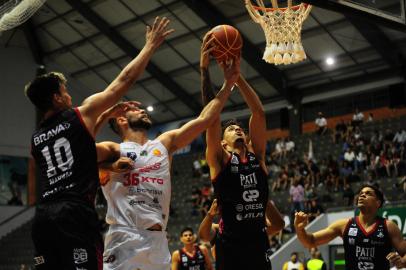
x,y
94,39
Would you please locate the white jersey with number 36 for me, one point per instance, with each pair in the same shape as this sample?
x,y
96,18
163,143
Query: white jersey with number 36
x,y
140,198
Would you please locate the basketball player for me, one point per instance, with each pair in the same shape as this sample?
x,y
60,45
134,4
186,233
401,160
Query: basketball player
x,y
191,256
65,231
368,238
239,175
138,201
208,230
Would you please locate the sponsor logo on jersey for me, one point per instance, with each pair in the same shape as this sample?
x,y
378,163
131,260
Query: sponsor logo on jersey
x,y
79,255
364,252
250,195
366,240
249,215
43,137
380,235
149,168
234,169
248,181
132,155
144,153
184,259
351,241
234,160
239,207
366,266
252,158
39,260
353,232
156,152
135,190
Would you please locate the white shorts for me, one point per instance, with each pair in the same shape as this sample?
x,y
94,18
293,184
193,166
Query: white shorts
x,y
132,248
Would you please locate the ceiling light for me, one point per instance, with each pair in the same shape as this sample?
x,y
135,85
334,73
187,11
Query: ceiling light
x,y
330,61
150,108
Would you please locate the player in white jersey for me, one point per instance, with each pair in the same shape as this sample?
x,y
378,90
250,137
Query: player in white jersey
x,y
138,200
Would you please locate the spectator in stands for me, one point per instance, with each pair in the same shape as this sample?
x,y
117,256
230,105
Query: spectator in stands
x,y
377,137
294,263
309,195
388,137
314,173
315,263
340,131
348,195
370,117
190,256
315,209
196,200
357,118
197,168
357,134
280,149
282,182
360,161
321,124
349,156
332,178
290,146
205,204
296,193
400,137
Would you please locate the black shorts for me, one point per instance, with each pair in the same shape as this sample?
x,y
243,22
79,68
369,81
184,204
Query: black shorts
x,y
66,236
239,254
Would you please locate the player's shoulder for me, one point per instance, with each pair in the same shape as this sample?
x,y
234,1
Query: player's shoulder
x,y
391,226
340,224
175,253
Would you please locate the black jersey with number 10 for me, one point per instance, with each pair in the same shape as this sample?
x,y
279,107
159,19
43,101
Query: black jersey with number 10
x,y
65,154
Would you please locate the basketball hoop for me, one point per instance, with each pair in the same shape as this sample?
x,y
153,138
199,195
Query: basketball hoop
x,y
282,27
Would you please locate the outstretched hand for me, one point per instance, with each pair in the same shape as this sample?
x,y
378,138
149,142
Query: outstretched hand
x,y
207,46
121,108
158,32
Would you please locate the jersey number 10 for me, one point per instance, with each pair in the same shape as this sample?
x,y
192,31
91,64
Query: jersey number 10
x,y
62,154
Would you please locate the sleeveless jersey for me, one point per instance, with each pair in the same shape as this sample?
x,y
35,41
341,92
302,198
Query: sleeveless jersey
x,y
366,251
140,198
294,266
65,154
242,192
192,263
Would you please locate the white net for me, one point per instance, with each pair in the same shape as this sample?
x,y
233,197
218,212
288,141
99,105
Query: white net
x,y
282,27
16,12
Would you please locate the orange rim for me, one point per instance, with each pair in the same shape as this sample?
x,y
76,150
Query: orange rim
x,y
281,9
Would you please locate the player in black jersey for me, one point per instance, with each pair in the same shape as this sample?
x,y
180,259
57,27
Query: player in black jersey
x,y
191,256
369,240
239,175
65,230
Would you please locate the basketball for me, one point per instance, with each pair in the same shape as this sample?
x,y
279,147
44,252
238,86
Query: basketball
x,y
228,41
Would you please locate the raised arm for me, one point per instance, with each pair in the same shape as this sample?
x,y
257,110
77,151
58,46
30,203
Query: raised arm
x,y
205,228
113,112
178,138
213,133
257,125
96,104
318,238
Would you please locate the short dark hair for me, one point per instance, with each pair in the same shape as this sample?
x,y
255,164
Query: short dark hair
x,y
294,253
114,126
377,191
186,229
41,90
230,122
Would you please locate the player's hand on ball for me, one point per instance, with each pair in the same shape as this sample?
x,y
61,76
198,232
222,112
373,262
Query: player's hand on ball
x,y
123,164
207,46
231,70
301,220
